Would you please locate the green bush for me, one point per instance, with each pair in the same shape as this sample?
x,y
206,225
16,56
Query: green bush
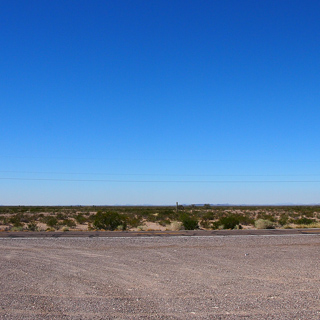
x,y
229,222
51,221
32,226
283,220
80,218
207,215
134,222
68,222
61,216
232,221
189,223
304,220
16,220
166,214
109,221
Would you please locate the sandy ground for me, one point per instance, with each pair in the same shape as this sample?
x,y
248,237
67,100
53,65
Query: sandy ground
x,y
221,277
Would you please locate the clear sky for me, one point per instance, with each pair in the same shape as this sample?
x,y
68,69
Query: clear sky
x,y
153,102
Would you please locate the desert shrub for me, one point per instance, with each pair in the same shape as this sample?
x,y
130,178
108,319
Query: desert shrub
x,y
20,228
152,218
294,215
205,218
189,223
3,220
166,214
68,222
309,214
219,213
283,220
304,220
25,218
264,224
205,223
232,221
51,221
109,221
80,218
16,220
208,215
266,216
146,213
228,222
33,217
91,218
246,220
32,226
61,216
134,222
307,211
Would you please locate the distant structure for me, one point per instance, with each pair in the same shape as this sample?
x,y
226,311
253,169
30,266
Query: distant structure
x,y
179,207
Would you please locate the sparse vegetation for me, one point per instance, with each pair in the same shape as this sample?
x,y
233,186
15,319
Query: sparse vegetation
x,y
188,222
228,222
51,221
68,223
135,217
109,221
80,218
32,226
303,220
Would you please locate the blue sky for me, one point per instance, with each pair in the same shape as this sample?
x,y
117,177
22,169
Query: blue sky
x,y
153,102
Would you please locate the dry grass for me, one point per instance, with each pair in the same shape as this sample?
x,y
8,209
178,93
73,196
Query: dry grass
x,y
311,225
264,224
175,226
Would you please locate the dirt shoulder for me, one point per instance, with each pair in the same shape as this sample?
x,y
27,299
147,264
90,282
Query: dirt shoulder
x,y
254,277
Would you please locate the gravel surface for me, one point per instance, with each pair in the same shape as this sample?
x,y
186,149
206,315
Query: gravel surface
x,y
233,277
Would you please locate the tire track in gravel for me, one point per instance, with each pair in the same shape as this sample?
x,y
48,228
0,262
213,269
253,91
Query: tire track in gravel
x,y
160,278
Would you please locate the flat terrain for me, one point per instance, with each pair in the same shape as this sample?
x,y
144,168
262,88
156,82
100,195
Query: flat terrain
x,y
215,277
156,218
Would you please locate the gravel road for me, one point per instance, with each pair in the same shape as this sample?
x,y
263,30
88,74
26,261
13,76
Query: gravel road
x,y
221,277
